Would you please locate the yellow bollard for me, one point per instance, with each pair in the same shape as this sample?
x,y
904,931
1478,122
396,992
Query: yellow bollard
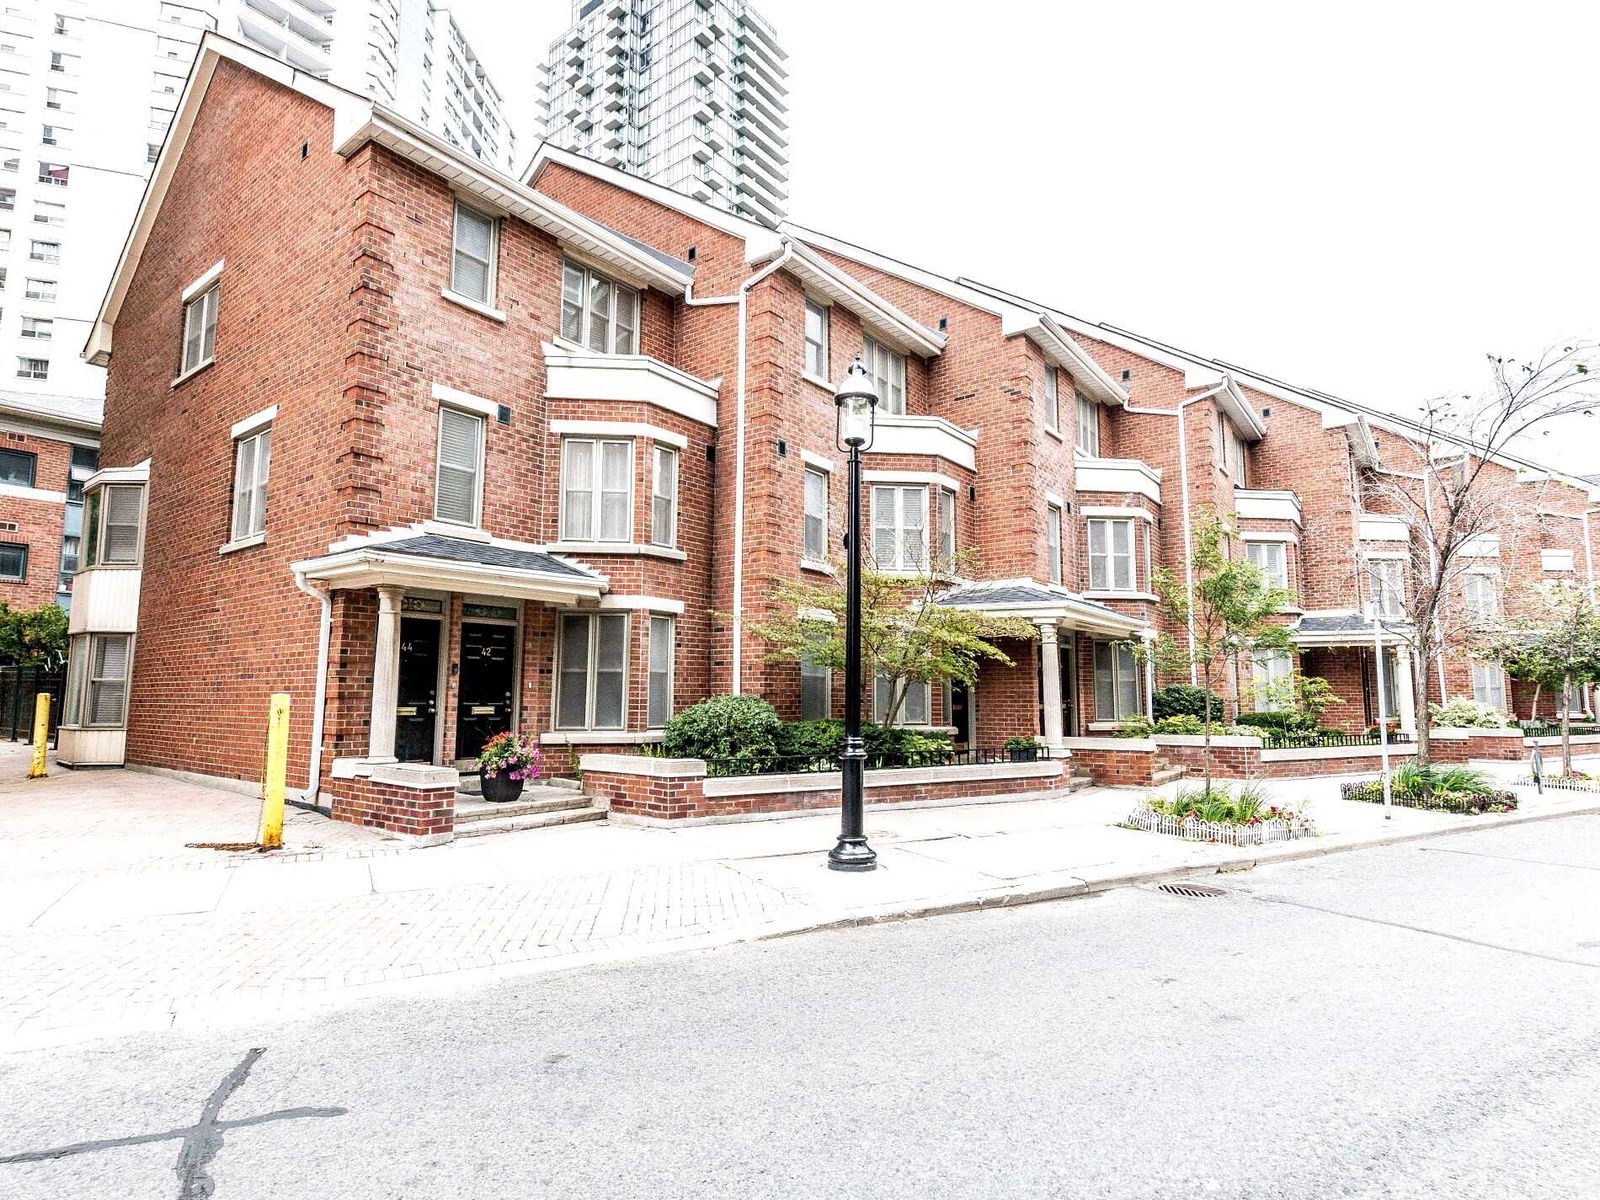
x,y
41,735
272,779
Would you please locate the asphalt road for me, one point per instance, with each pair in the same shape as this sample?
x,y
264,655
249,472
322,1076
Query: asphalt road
x,y
1417,1021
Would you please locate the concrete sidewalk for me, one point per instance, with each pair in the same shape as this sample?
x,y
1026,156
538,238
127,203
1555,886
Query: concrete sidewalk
x,y
110,924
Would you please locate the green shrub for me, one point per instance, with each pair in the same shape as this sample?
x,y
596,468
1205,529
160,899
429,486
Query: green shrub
x,y
1185,700
1462,713
1245,804
821,739
911,742
741,731
1266,720
1135,727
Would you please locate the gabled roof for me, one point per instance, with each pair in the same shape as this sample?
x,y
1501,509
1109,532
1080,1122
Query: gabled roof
x,y
358,120
1030,599
81,414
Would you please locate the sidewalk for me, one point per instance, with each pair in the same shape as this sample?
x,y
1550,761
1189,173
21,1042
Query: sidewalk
x,y
109,924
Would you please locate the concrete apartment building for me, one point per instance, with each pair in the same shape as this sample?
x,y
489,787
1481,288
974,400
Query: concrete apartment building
x,y
511,453
690,94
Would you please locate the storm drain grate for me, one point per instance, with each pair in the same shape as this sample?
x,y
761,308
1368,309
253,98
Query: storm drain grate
x,y
1194,891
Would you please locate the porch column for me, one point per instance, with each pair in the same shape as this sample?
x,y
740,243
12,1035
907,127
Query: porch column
x,y
385,676
1148,636
1404,692
1050,676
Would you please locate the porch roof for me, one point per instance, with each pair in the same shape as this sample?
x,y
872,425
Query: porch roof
x,y
422,559
1040,602
1342,628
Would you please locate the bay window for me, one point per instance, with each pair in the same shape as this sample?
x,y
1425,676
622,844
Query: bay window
x,y
1271,559
900,528
1489,684
947,528
111,526
664,498
591,689
888,371
458,484
661,656
1116,682
97,681
598,312
1052,532
596,490
1111,555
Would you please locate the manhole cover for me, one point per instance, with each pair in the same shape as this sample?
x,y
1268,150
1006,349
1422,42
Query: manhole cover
x,y
1194,891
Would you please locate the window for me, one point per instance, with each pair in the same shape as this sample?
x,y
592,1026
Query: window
x,y
1489,684
13,562
18,467
1111,555
65,63
54,135
815,547
33,368
1052,531
1237,444
152,151
900,528
200,329
596,490
41,289
460,465
1271,560
1556,560
54,174
252,459
816,339
1219,444
8,200
1388,585
46,212
1479,591
1052,400
97,683
597,312
888,371
591,687
1272,669
1088,425
1116,682
660,699
472,269
38,328
947,528
112,526
915,704
58,99
664,499
1391,685
816,691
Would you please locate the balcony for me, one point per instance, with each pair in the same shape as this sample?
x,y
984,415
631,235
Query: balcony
x,y
1119,476
907,433
1258,504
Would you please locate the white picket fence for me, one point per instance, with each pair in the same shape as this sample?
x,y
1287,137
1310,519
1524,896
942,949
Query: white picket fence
x,y
1195,830
1562,782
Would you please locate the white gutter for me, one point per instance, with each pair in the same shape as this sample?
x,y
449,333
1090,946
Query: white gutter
x,y
741,298
319,702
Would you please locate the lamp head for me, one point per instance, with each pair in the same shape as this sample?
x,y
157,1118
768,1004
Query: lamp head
x,y
857,405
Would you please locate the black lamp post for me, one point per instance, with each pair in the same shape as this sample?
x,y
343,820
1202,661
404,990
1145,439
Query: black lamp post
x,y
857,406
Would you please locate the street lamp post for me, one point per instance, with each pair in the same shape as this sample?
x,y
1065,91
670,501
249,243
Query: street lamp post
x,y
1375,614
856,405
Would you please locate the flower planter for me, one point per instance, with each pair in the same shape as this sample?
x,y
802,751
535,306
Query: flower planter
x,y
501,788
1257,833
1370,791
1023,754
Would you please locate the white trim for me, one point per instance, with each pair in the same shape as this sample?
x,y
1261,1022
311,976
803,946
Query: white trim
x,y
1261,504
244,543
1558,560
917,434
17,491
1095,510
656,604
1117,475
138,473
638,548
611,737
816,614
831,388
578,374
253,422
1053,499
1250,535
185,376
928,478
477,306
456,398
1108,595
879,318
816,460
618,429
1376,527
213,274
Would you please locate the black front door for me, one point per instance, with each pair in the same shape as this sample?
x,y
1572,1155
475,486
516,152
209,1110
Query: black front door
x,y
416,713
960,715
488,682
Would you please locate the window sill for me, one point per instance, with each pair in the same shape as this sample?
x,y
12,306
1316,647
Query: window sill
x,y
244,543
811,564
1112,726
476,306
601,737
1121,596
617,548
820,382
193,371
1055,433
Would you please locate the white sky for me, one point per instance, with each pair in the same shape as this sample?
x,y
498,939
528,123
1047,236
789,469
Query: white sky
x,y
1365,198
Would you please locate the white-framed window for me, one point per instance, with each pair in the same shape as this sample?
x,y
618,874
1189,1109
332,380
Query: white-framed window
x,y
816,339
1489,684
1219,444
591,689
33,368
1116,682
1556,560
111,525
1270,669
45,252
40,329
1088,425
46,212
664,499
40,289
888,371
472,266
54,174
598,312
1271,559
1481,595
814,547
1391,685
458,482
252,460
97,683
1111,554
947,528
1052,399
816,691
596,490
1388,585
659,705
1237,443
199,329
1053,539
915,706
900,527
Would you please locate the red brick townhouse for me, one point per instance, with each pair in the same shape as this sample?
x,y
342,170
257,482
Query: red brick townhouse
x,y
440,453
47,452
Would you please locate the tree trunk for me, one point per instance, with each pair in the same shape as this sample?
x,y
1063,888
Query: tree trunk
x,y
1566,724
1538,686
1420,662
1205,733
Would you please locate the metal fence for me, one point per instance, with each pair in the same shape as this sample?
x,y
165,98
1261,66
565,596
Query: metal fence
x,y
19,686
816,764
1553,728
1194,829
1283,739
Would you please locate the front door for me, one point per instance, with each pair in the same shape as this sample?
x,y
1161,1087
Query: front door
x,y
960,714
416,713
488,685
1069,682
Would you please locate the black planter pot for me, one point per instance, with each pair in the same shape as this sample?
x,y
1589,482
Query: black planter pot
x,y
1023,754
501,788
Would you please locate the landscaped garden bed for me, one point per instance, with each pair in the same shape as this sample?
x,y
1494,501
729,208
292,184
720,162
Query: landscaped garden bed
x,y
1242,817
1576,782
1436,789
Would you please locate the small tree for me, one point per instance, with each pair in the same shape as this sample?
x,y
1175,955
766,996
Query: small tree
x,y
906,634
1230,611
34,637
1307,697
1556,637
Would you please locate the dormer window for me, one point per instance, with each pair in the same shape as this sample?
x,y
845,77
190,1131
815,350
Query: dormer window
x,y
598,312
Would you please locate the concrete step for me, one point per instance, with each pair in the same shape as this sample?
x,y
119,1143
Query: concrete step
x,y
1076,783
1167,775
542,820
472,784
533,800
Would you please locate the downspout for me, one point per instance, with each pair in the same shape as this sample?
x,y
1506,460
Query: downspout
x,y
741,298
308,795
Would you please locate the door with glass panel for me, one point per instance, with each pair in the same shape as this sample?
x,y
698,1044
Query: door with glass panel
x,y
487,685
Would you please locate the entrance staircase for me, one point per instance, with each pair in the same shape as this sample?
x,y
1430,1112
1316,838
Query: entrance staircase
x,y
1164,770
541,805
